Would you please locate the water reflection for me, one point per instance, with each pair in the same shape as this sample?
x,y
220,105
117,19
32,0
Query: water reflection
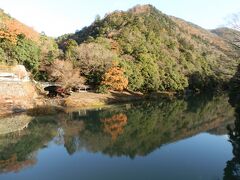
x,y
114,125
17,150
232,170
128,130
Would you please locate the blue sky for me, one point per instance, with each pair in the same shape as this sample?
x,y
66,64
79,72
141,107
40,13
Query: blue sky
x,y
57,17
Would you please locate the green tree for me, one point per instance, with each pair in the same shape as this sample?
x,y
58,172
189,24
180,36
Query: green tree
x,y
150,73
27,53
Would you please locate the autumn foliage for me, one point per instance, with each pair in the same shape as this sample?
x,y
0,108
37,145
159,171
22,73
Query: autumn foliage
x,y
8,36
13,165
115,125
115,79
10,28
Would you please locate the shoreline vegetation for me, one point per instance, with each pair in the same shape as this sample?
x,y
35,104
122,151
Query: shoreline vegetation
x,y
138,50
84,100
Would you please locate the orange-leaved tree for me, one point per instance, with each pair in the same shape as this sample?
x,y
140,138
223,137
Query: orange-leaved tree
x,y
5,34
115,79
10,28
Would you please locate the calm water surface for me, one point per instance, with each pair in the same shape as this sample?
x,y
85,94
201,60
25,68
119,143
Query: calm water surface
x,y
195,138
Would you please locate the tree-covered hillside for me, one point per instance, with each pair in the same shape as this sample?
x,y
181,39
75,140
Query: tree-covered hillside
x,y
156,51
20,44
141,49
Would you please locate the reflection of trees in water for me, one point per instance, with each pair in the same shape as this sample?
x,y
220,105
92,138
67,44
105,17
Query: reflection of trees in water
x,y
71,139
131,130
17,150
232,170
114,125
151,124
13,164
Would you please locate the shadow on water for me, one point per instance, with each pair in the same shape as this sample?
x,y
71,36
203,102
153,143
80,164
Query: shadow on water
x,y
232,170
131,130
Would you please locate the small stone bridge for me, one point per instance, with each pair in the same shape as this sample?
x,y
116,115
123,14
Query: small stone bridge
x,y
46,84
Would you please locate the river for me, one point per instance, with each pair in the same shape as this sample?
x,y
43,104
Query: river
x,y
191,138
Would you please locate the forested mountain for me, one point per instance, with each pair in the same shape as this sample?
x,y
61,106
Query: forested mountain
x,y
157,52
141,49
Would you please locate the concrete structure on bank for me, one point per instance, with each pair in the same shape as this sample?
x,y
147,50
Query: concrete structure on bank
x,y
16,73
17,92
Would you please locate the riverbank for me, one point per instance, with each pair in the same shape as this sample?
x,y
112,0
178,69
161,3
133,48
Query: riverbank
x,y
90,99
82,100
76,101
19,94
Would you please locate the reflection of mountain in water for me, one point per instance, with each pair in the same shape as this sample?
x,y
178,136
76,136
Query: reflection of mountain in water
x,y
152,124
128,130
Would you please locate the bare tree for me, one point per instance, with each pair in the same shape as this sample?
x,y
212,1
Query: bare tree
x,y
235,24
94,57
64,73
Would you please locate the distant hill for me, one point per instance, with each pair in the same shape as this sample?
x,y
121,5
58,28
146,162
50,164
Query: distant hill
x,y
230,35
157,51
